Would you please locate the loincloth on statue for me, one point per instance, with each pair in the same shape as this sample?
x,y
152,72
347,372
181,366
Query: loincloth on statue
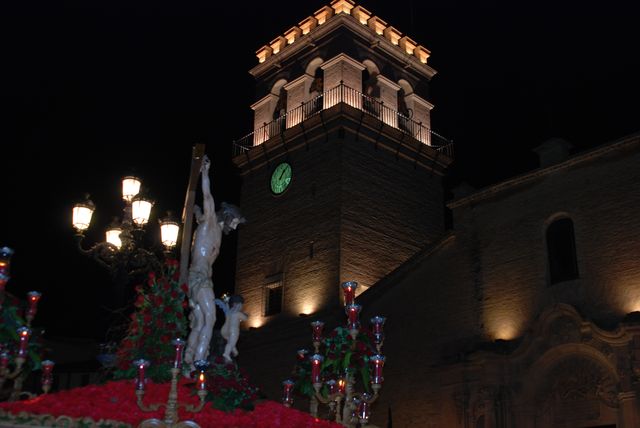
x,y
197,281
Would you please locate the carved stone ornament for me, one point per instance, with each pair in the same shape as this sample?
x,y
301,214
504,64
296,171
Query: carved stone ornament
x,y
579,379
563,330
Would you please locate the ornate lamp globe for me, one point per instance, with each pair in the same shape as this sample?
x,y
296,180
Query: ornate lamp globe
x,y
169,229
112,235
141,209
82,213
130,187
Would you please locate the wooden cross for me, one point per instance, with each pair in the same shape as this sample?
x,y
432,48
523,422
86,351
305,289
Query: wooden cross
x,y
187,213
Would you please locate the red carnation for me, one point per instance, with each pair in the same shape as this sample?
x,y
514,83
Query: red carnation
x,y
139,301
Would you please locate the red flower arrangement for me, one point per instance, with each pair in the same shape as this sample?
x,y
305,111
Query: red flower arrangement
x,y
158,319
229,387
116,401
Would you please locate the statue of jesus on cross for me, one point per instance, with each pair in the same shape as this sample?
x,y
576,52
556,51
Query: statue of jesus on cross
x,y
204,251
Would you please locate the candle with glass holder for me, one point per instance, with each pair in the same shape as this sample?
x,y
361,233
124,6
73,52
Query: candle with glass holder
x,y
47,375
316,334
172,404
287,393
33,298
338,391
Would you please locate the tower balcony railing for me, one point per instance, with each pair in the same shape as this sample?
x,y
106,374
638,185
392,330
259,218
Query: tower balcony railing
x,y
344,94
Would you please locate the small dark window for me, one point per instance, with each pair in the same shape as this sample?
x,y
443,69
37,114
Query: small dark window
x,y
273,298
561,249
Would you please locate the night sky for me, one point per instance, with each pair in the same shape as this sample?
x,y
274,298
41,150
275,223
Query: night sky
x,y
95,90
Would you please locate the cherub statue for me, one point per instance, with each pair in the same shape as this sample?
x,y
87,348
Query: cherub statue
x,y
204,251
232,307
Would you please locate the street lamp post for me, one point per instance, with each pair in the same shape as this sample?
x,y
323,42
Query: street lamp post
x,y
122,252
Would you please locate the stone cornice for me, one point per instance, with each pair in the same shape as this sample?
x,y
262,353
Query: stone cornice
x,y
263,100
426,104
342,58
296,82
389,83
543,172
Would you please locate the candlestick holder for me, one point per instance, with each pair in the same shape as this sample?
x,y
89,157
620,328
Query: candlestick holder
x,y
16,371
343,362
348,406
171,406
7,374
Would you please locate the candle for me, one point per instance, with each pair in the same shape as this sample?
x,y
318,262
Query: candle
x,y
363,409
378,363
287,389
201,366
5,263
202,381
342,385
4,360
332,385
4,278
47,369
316,362
349,290
377,323
302,354
141,364
353,312
33,297
316,330
179,344
24,333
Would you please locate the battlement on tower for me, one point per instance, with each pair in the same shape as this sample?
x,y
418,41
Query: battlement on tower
x,y
343,12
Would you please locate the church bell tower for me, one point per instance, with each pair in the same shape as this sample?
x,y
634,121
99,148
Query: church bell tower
x,y
341,177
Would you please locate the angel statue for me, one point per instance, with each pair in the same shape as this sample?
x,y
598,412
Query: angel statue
x,y
233,316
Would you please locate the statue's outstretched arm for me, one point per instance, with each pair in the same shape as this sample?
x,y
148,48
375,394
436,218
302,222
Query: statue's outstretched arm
x,y
209,205
222,305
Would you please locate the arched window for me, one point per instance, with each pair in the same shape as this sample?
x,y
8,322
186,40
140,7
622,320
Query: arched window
x,y
561,250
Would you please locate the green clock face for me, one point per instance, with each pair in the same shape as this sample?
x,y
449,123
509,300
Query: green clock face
x,y
281,178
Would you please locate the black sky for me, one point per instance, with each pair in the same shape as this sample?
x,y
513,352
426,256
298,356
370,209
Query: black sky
x,y
94,90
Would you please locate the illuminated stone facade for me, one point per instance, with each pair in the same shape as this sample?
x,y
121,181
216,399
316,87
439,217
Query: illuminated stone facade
x,y
480,331
482,336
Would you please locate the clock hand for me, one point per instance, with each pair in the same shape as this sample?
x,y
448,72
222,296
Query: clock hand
x,y
283,171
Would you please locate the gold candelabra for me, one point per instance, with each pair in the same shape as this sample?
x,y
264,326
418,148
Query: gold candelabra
x,y
171,406
347,406
17,374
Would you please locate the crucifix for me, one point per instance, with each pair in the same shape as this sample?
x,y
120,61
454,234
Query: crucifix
x,y
187,212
